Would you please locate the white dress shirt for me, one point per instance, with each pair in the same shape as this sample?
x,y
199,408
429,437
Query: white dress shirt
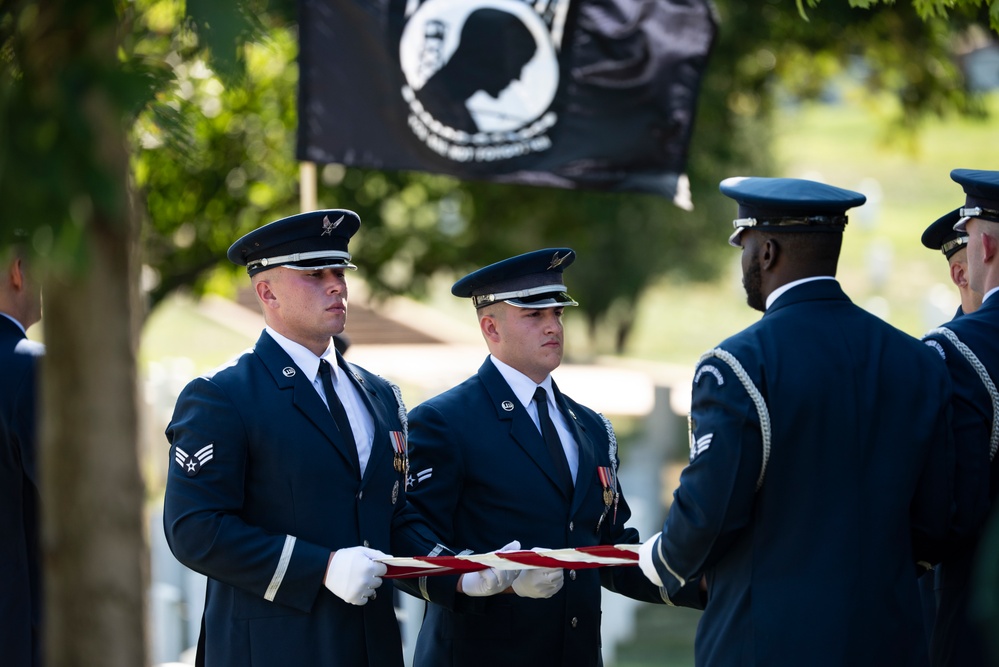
x,y
990,293
361,422
523,388
794,283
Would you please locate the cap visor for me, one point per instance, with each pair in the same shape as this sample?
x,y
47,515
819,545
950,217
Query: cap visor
x,y
550,300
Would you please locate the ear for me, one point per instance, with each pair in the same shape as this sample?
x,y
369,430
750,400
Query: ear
x,y
16,275
266,295
989,246
769,252
959,274
489,327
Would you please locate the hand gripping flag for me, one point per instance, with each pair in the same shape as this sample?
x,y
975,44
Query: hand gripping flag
x,y
604,555
596,94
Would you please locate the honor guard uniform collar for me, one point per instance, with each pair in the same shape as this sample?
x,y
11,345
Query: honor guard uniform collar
x,y
304,242
531,280
788,205
981,189
941,235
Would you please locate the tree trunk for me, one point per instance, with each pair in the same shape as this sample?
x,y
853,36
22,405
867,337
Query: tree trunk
x,y
95,565
95,554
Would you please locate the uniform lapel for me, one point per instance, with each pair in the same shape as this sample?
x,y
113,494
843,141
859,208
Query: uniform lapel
x,y
305,398
380,438
522,429
586,446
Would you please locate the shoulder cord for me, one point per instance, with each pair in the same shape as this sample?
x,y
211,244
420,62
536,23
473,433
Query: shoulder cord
x,y
983,375
612,448
403,417
757,398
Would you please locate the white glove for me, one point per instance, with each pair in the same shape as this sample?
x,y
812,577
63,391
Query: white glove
x,y
353,574
542,582
646,553
491,581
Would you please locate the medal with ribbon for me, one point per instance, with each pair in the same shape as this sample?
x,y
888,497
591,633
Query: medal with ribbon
x,y
608,475
400,458
608,480
604,473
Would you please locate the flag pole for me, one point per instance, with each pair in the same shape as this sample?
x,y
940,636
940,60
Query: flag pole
x,y
307,186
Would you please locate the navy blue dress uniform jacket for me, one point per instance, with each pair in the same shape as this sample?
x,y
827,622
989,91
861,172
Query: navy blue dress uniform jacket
x,y
817,565
482,478
20,594
261,488
956,641
972,497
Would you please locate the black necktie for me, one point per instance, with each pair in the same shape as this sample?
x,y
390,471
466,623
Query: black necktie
x,y
336,407
552,439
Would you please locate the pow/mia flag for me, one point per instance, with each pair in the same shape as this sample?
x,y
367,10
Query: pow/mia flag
x,y
569,93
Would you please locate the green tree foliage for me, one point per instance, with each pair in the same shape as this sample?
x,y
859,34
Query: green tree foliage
x,y
928,10
417,225
892,50
67,90
54,181
215,156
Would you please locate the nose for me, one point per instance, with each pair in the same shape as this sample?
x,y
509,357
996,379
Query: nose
x,y
553,323
335,283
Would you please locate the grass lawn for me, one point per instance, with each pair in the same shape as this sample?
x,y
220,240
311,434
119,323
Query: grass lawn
x,y
664,637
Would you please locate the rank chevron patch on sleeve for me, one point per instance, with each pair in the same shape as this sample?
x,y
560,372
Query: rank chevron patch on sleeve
x,y
191,465
421,476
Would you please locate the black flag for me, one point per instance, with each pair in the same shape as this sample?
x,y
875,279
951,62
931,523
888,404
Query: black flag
x,y
593,94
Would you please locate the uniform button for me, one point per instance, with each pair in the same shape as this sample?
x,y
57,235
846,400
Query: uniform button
x,y
365,543
360,495
571,526
574,621
572,575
